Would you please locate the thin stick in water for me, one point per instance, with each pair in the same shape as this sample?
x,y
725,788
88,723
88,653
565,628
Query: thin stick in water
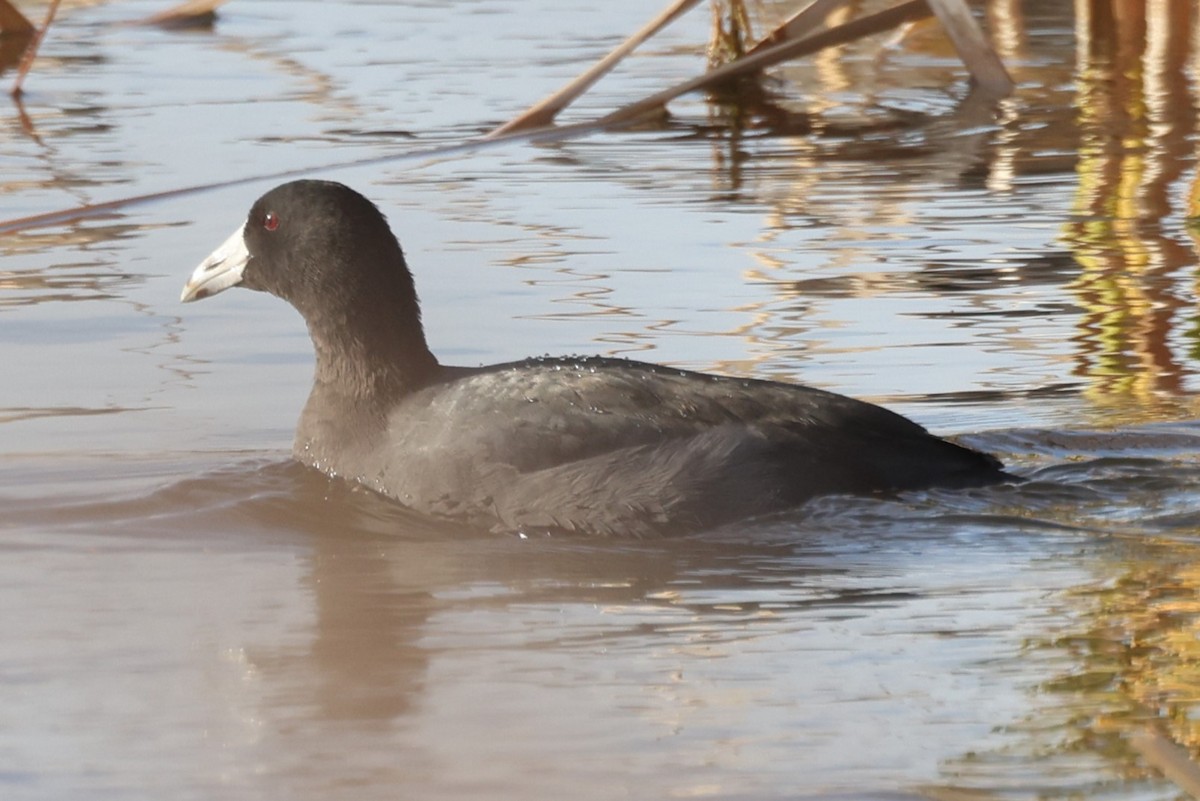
x,y
544,112
974,50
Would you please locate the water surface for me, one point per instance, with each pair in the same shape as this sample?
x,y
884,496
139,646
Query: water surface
x,y
189,614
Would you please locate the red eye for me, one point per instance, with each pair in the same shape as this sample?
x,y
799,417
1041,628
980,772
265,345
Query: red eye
x,y
271,221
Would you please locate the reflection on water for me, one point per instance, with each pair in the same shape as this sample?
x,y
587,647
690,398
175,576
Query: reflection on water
x,y
1003,638
190,614
1136,119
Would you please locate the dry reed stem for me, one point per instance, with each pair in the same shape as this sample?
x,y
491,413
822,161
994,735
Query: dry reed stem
x,y
790,40
544,111
12,20
32,48
840,34
973,48
728,44
192,12
755,61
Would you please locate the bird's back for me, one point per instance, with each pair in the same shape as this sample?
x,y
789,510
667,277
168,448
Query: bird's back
x,y
613,446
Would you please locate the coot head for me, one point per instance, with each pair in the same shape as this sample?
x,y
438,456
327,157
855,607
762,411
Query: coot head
x,y
316,244
328,251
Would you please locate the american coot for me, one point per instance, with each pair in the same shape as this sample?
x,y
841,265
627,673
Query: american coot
x,y
593,445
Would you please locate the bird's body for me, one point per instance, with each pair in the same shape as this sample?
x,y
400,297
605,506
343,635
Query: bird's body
x,y
591,445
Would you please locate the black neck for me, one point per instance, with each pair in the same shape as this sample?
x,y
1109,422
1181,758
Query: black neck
x,y
372,358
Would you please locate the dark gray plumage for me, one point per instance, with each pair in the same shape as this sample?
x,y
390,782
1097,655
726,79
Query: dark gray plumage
x,y
594,445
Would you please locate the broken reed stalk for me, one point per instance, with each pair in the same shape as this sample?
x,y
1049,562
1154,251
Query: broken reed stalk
x,y
13,21
191,12
974,50
840,34
544,111
728,43
790,40
31,49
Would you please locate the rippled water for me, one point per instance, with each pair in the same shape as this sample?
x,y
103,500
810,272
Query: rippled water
x,y
189,614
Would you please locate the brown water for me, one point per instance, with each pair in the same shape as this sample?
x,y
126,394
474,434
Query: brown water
x,y
188,614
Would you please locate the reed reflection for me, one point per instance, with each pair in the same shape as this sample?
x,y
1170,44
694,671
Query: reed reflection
x,y
1136,115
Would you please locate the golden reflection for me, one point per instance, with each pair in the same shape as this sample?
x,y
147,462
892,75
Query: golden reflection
x,y
1009,37
1129,143
1008,27
1135,112
1137,662
840,90
829,63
